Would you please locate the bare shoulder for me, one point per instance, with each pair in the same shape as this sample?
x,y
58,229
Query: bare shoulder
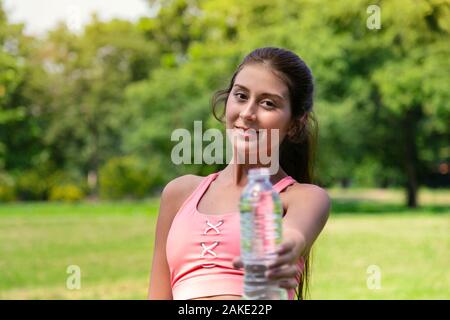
x,y
178,189
308,189
172,197
312,194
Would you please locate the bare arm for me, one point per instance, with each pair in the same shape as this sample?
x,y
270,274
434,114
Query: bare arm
x,y
306,216
172,198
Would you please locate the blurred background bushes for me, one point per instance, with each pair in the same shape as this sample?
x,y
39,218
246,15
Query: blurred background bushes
x,y
90,114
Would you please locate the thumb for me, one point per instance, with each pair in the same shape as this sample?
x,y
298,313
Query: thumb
x,y
237,263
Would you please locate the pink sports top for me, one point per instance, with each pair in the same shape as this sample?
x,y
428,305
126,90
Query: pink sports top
x,y
201,247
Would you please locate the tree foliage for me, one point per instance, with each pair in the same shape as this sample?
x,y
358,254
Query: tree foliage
x,y
73,102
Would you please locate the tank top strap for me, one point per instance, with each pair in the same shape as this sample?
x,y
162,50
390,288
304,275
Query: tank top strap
x,y
199,191
284,183
195,196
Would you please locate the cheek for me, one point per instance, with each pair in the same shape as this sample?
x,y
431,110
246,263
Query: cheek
x,y
231,110
271,120
284,123
280,122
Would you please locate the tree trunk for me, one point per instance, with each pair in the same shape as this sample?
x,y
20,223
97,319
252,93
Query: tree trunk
x,y
410,155
412,193
345,183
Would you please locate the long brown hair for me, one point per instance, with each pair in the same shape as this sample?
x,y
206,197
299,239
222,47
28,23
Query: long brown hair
x,y
297,150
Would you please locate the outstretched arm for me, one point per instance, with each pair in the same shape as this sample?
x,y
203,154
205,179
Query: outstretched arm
x,y
306,216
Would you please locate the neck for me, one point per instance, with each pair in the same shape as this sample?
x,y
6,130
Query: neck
x,y
236,174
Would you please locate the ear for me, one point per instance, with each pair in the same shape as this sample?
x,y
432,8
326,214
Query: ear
x,y
298,122
304,118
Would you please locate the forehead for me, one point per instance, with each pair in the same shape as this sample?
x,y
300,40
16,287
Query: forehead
x,y
261,79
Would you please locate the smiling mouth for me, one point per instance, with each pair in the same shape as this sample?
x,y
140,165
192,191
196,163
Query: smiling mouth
x,y
246,131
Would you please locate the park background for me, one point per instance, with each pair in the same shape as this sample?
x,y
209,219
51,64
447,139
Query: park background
x,y
86,116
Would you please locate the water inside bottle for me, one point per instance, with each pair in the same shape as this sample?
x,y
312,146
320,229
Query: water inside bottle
x,y
261,228
258,287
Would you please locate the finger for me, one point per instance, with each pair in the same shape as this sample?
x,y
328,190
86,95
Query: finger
x,y
282,273
288,284
283,259
285,247
237,263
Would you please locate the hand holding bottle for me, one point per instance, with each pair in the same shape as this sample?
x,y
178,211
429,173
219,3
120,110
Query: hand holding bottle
x,y
284,268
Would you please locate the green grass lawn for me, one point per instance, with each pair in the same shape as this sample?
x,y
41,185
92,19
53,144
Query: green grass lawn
x,y
112,244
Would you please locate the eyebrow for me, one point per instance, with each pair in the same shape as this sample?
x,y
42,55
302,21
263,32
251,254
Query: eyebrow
x,y
266,93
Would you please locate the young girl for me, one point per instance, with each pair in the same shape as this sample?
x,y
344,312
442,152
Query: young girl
x,y
196,253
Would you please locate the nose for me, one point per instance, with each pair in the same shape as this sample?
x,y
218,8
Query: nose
x,y
248,113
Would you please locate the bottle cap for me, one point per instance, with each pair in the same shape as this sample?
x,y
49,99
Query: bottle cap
x,y
259,172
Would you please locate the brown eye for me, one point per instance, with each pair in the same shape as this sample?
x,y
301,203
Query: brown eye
x,y
239,96
269,103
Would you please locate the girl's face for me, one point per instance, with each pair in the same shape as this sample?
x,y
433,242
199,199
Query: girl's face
x,y
258,100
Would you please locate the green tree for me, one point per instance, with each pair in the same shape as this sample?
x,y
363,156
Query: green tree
x,y
20,125
87,75
381,94
73,101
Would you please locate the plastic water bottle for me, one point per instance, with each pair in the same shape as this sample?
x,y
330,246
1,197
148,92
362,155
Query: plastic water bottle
x,y
261,233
